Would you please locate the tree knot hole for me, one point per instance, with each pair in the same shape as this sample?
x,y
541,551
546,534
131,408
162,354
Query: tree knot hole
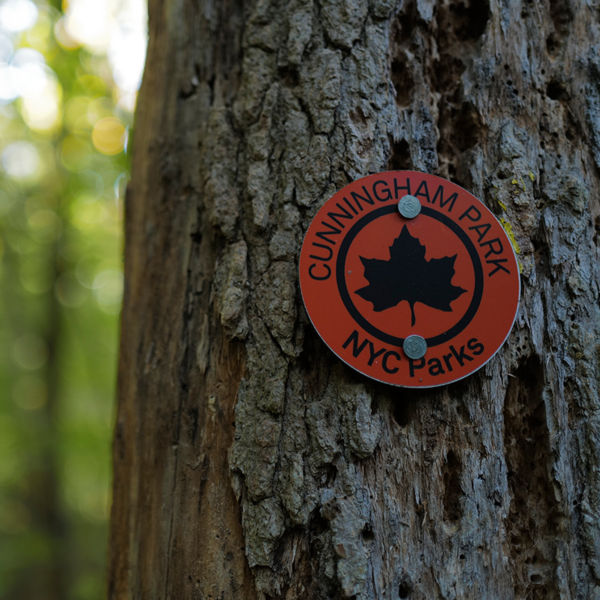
x,y
403,411
470,18
405,587
452,487
400,158
367,532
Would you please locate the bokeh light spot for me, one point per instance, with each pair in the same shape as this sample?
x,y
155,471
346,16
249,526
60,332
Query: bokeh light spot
x,y
89,213
30,352
88,21
41,110
68,291
17,15
108,289
21,74
108,136
6,49
62,35
21,160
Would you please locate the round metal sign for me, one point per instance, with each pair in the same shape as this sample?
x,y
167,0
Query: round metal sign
x,y
407,296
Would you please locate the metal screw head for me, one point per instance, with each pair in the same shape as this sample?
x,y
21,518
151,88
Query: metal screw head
x,y
409,207
414,346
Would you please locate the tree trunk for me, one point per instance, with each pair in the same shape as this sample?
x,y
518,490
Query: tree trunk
x,y
249,461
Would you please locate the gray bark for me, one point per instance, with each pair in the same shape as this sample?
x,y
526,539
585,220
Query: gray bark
x,y
249,461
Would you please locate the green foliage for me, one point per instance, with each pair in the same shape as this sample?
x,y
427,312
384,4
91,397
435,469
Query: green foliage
x,y
62,177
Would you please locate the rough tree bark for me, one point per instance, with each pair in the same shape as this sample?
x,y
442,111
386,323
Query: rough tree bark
x,y
249,461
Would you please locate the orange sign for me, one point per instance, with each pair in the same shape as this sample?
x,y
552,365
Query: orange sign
x,y
409,279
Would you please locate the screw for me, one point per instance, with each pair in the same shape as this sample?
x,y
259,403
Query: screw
x,y
409,207
414,346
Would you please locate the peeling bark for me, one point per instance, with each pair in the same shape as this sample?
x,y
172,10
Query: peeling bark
x,y
249,461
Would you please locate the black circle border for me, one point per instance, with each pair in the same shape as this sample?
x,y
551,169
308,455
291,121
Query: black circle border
x,y
386,337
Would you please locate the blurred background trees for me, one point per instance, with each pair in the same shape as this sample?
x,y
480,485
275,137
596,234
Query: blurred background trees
x,y
68,78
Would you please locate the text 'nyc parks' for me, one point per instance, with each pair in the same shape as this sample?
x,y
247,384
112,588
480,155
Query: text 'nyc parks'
x,y
409,279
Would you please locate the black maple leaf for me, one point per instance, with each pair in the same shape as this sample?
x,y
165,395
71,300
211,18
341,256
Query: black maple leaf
x,y
408,276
